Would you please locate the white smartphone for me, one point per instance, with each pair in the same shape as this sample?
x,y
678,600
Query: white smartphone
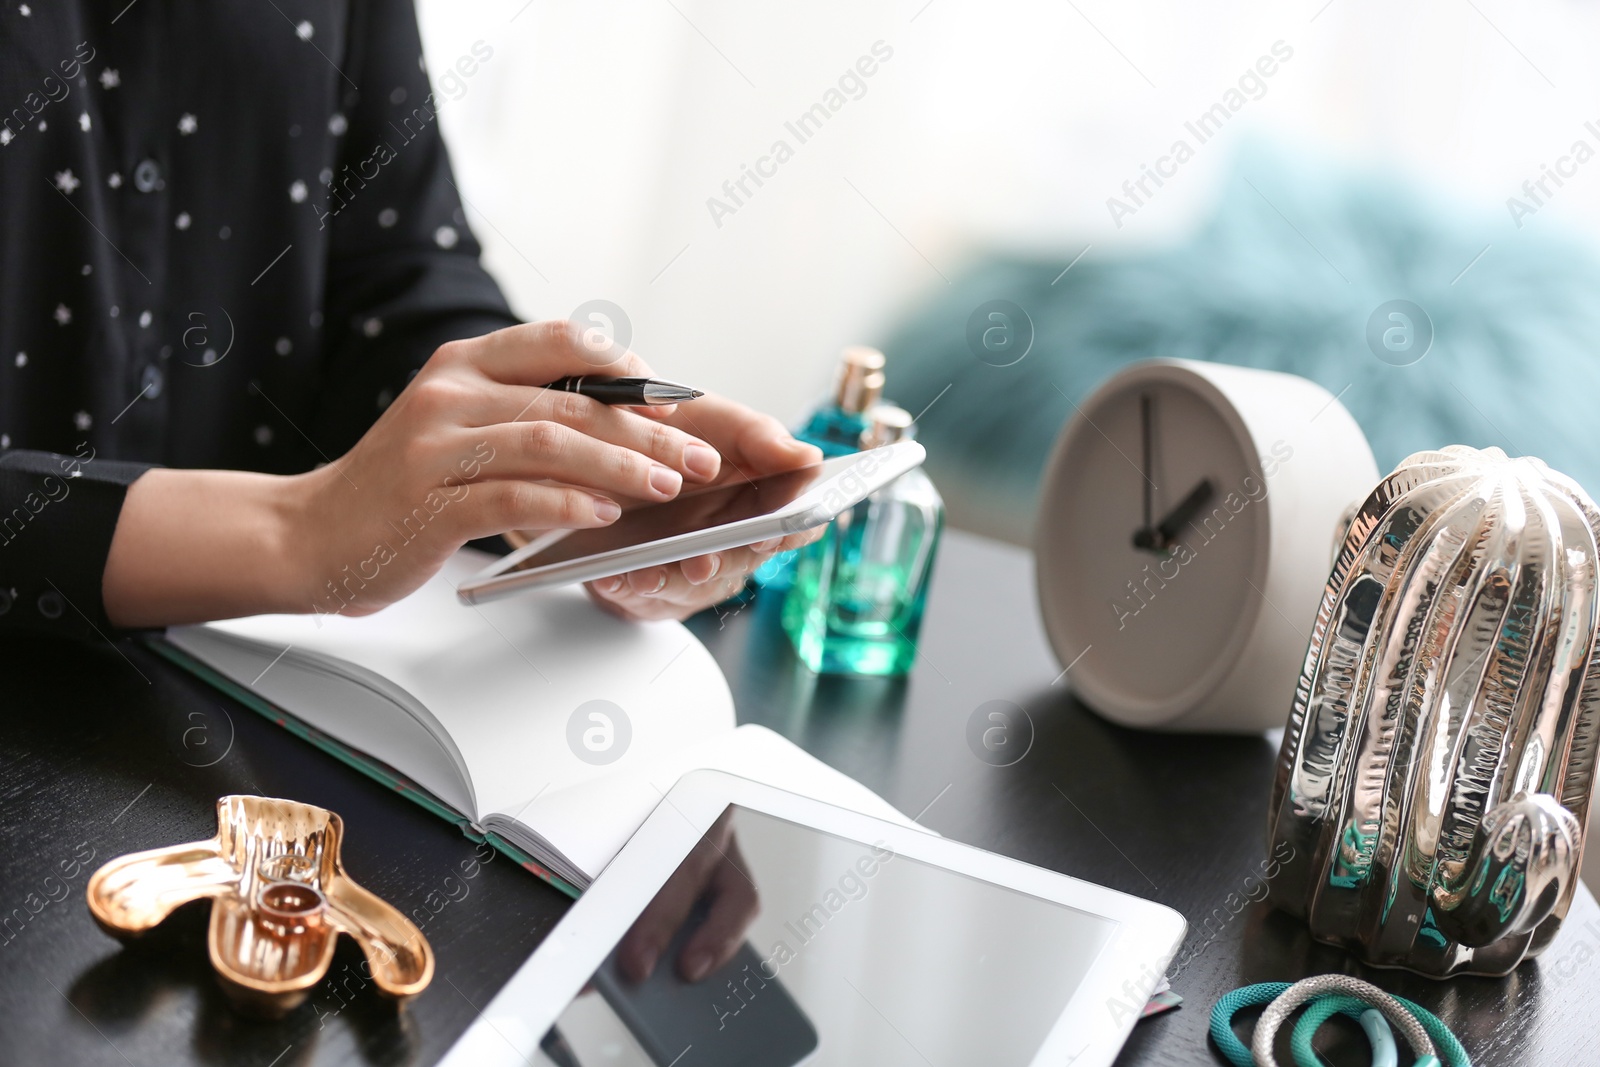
x,y
738,512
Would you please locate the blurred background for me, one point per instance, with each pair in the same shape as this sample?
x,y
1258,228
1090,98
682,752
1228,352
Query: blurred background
x,y
1312,160
1339,155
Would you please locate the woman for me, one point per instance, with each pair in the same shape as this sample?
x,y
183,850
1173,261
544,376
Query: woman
x,y
232,244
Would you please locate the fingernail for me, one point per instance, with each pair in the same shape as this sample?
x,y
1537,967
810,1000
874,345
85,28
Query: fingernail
x,y
610,586
651,585
646,964
716,565
665,480
606,510
701,460
769,545
695,965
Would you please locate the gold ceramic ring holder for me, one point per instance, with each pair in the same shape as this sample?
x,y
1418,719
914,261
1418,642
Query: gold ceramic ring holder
x,y
280,899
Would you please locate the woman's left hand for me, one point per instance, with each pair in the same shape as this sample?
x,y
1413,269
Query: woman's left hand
x,y
751,445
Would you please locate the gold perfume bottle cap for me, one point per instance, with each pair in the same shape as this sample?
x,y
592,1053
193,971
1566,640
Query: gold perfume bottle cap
x,y
886,424
860,378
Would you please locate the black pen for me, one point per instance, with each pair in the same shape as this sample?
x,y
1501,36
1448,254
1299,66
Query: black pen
x,y
637,392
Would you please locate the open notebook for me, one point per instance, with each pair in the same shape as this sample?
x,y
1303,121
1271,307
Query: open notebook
x,y
468,711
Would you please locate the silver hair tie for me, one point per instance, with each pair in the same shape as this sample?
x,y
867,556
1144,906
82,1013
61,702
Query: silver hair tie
x,y
1306,989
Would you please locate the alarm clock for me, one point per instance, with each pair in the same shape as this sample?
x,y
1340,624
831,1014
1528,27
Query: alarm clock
x,y
1186,525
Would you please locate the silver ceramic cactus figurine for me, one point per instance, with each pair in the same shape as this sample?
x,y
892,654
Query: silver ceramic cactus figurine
x,y
1437,765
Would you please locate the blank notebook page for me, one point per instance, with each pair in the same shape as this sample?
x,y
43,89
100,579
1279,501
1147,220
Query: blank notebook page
x,y
504,678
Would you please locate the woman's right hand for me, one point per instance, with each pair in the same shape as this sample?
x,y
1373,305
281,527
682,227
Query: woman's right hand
x,y
474,446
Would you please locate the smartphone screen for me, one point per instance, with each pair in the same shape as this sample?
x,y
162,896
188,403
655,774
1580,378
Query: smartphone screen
x,y
690,512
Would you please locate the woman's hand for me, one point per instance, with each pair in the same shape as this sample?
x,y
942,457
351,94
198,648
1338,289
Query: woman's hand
x,y
751,445
678,590
473,446
476,446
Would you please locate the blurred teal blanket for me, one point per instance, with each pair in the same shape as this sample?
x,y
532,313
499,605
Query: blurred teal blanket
x,y
1285,276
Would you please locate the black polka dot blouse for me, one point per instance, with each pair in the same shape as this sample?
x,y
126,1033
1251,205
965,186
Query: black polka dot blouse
x,y
229,235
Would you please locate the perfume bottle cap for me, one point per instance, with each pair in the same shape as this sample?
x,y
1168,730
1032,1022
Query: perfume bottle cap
x,y
860,378
886,424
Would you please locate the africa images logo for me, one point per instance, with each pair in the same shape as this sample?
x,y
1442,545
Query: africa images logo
x,y
599,732
851,85
1251,85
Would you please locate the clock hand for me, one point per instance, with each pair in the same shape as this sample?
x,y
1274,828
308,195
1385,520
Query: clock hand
x,y
1167,532
1144,536
1145,429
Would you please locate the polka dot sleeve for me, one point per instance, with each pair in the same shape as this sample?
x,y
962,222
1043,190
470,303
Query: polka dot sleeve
x,y
60,513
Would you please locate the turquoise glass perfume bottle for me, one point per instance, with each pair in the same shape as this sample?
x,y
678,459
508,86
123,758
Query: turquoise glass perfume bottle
x,y
836,428
855,604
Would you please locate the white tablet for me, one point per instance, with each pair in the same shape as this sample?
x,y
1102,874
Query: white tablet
x,y
835,938
741,511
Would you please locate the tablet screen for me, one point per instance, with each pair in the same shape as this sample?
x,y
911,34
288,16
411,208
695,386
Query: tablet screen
x,y
774,944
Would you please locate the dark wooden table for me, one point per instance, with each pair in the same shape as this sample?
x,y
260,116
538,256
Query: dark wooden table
x,y
106,750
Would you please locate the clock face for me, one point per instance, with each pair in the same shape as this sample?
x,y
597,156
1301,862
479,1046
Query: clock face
x,y
1159,517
